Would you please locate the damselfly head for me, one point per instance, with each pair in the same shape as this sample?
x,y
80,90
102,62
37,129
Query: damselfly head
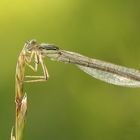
x,y
31,45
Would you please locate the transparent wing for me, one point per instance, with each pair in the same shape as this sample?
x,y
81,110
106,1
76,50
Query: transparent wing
x,y
105,71
110,77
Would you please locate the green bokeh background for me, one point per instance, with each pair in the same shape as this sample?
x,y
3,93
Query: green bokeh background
x,y
72,105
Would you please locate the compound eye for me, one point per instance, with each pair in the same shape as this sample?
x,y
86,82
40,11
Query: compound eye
x,y
33,42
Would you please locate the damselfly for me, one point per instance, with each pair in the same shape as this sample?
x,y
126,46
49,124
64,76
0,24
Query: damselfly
x,y
108,72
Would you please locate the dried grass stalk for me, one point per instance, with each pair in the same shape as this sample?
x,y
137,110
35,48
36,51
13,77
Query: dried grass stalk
x,y
20,97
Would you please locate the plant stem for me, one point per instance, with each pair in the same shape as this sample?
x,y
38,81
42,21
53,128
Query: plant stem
x,y
21,98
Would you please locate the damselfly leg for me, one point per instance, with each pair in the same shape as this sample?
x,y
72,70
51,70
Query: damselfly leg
x,y
37,60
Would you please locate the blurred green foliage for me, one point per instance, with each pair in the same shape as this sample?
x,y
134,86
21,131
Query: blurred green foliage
x,y
72,105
